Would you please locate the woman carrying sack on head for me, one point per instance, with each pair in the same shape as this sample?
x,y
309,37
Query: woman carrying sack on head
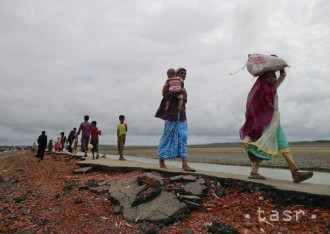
x,y
262,133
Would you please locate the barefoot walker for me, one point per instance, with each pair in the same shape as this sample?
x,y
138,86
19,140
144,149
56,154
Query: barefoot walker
x,y
173,143
262,133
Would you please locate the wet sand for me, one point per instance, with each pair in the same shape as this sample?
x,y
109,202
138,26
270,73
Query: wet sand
x,y
308,155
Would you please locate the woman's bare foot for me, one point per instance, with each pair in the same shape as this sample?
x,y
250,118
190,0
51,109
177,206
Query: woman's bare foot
x,y
122,158
162,163
187,168
256,176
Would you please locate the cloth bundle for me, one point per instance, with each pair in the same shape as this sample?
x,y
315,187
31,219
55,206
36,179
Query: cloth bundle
x,y
90,146
257,64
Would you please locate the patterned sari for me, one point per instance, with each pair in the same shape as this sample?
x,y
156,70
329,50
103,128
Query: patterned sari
x,y
173,143
272,139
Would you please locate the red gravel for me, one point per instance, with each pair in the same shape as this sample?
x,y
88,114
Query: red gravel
x,y
50,209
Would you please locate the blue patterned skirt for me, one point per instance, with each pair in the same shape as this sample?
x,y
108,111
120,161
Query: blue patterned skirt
x,y
173,143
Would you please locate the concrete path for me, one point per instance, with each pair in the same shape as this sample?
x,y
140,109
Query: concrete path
x,y
279,184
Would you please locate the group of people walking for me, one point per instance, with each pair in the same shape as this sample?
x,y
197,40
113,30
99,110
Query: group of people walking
x,y
64,143
262,134
89,139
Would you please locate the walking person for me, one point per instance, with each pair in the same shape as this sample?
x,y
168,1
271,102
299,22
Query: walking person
x,y
95,132
58,145
50,146
262,133
121,136
70,139
42,144
63,139
173,143
85,128
74,144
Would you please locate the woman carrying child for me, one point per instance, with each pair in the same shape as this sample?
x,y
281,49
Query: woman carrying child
x,y
173,143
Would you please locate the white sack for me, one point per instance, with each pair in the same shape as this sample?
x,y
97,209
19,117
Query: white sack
x,y
258,64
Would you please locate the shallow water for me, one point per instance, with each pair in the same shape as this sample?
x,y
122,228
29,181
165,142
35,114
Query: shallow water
x,y
274,173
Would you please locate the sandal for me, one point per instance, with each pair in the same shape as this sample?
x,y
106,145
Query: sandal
x,y
256,176
301,176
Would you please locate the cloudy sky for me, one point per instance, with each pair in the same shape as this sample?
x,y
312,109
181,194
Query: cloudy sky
x,y
60,60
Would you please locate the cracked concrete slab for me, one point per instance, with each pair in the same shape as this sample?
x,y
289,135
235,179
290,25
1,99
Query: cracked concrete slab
x,y
161,210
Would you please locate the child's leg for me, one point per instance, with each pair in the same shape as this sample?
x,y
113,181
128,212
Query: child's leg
x,y
97,149
121,149
118,146
123,145
168,102
93,149
180,104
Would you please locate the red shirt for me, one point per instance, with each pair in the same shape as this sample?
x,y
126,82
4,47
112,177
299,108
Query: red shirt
x,y
95,133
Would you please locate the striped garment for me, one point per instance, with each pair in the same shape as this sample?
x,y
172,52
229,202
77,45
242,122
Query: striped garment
x,y
175,84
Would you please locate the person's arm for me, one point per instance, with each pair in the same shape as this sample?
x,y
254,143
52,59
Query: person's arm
x,y
246,140
80,127
281,78
171,94
117,134
126,128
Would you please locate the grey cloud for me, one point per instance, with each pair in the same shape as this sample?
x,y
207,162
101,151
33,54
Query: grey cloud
x,y
61,60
